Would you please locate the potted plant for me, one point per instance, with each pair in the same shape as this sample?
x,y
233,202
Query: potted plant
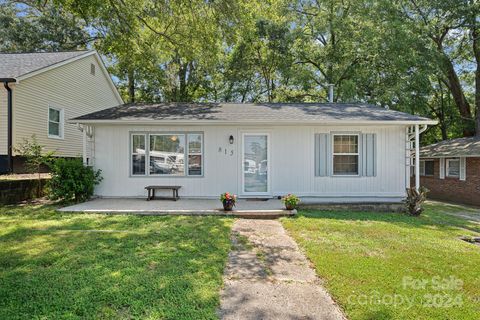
x,y
290,201
228,201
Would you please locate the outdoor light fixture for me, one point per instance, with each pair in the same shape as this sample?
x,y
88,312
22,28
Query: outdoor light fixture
x,y
230,139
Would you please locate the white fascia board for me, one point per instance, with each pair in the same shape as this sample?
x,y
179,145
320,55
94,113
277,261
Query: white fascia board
x,y
258,122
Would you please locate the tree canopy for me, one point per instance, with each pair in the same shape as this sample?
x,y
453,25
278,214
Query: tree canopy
x,y
418,56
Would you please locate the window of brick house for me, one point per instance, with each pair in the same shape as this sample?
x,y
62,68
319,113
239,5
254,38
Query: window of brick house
x,y
453,168
427,167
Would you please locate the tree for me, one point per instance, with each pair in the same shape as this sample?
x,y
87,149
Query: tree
x,y
449,31
178,42
35,158
333,44
31,26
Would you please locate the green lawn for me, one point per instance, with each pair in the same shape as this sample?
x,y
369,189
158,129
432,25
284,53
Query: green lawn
x,y
123,267
370,261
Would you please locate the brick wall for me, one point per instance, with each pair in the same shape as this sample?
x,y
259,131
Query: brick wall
x,y
453,189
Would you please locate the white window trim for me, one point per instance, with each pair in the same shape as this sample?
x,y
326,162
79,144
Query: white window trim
x,y
147,154
136,154
345,154
61,127
242,159
448,168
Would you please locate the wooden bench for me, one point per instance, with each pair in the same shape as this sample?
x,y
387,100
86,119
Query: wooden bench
x,y
151,191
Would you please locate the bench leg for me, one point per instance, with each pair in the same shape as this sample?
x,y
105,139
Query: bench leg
x,y
174,196
148,194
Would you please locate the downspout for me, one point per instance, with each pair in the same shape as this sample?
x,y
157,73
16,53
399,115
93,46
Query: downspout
x,y
6,81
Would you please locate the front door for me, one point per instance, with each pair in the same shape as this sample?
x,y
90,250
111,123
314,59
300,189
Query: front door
x,y
255,164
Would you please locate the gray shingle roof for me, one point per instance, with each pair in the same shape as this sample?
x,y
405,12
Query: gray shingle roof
x,y
13,65
461,147
235,112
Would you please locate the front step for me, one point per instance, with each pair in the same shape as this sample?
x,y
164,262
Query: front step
x,y
245,214
261,214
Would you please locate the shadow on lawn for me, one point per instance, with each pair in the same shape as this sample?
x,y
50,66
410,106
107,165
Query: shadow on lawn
x,y
432,217
169,267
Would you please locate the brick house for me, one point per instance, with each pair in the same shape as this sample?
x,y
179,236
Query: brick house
x,y
451,170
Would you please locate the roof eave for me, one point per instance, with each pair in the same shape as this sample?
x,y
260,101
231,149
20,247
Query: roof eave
x,y
251,122
439,156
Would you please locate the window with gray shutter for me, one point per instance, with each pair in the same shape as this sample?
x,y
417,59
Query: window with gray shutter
x,y
362,150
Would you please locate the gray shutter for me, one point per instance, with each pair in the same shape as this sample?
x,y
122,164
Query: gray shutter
x,y
321,154
369,154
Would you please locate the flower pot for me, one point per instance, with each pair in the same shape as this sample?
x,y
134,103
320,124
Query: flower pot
x,y
228,205
289,206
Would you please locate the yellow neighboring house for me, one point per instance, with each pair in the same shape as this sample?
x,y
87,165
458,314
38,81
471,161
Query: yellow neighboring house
x,y
39,91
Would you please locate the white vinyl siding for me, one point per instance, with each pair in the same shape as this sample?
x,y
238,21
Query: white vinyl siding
x,y
70,86
292,156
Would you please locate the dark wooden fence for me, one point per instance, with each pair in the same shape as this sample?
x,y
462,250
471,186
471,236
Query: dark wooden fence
x,y
14,191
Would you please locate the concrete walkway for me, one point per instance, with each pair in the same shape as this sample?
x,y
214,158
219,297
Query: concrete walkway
x,y
267,277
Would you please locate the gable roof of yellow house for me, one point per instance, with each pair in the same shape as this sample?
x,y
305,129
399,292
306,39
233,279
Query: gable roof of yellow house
x,y
43,89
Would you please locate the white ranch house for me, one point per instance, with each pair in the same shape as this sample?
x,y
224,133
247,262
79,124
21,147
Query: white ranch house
x,y
40,91
328,152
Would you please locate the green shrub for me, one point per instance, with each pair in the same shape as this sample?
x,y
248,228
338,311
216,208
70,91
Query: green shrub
x,y
72,181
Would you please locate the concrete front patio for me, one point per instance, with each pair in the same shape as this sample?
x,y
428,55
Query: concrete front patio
x,y
272,208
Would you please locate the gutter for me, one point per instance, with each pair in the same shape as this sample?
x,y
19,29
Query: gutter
x,y
252,122
6,81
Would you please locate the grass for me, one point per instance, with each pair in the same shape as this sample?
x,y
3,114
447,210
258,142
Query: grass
x,y
85,266
369,262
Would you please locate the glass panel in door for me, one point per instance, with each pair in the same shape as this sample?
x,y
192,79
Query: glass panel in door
x,y
255,163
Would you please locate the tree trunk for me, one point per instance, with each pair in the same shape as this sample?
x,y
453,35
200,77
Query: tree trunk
x,y
131,86
441,114
182,78
456,90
